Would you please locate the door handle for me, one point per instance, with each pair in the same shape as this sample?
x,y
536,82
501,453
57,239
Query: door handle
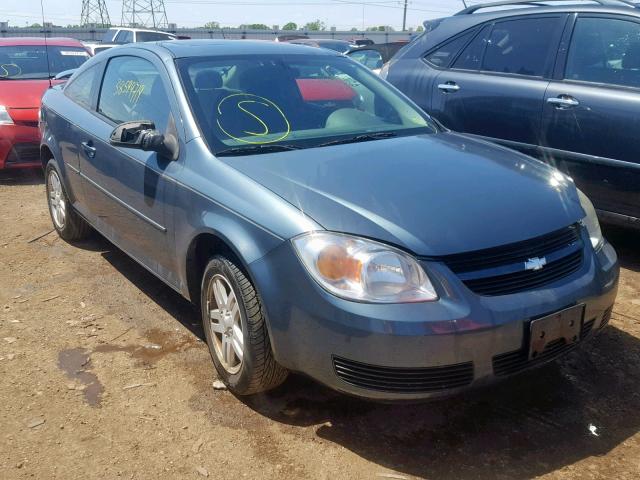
x,y
449,87
563,101
89,149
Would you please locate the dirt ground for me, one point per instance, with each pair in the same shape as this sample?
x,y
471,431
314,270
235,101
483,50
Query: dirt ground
x,y
104,374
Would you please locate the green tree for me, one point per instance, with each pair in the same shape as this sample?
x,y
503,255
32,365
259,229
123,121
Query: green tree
x,y
35,25
212,25
290,26
255,26
354,29
420,28
315,26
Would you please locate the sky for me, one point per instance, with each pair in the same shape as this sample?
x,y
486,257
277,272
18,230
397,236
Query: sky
x,y
342,14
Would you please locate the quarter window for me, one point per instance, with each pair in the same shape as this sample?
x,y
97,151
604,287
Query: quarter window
x,y
79,90
605,50
132,90
522,47
443,55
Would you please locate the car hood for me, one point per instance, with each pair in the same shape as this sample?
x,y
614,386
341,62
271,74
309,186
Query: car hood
x,y
22,93
431,194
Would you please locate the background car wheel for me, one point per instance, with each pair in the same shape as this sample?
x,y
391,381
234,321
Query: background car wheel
x,y
66,221
236,330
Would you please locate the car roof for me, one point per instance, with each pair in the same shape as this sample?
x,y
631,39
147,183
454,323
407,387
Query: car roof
x,y
441,29
53,41
132,29
201,48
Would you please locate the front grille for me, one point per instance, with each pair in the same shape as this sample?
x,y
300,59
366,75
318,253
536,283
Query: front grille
x,y
24,153
606,317
518,360
526,279
403,380
482,271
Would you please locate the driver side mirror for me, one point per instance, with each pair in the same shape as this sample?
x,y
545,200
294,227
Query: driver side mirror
x,y
142,135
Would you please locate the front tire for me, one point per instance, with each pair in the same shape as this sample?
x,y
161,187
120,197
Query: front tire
x,y
69,225
236,330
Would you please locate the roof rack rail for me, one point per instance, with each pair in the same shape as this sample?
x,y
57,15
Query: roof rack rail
x,y
543,3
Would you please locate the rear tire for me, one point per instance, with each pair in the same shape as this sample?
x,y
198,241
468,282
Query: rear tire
x,y
69,225
236,330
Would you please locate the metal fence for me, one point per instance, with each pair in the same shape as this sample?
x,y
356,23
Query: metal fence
x,y
95,34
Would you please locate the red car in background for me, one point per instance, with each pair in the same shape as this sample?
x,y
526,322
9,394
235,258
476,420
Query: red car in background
x,y
24,77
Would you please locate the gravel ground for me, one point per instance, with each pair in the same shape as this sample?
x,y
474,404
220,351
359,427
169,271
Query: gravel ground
x,y
104,374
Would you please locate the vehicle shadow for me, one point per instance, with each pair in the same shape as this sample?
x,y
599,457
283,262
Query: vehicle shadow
x,y
164,296
527,426
626,241
27,176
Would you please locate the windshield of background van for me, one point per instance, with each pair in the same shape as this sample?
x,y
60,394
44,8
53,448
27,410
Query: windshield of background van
x,y
294,100
29,62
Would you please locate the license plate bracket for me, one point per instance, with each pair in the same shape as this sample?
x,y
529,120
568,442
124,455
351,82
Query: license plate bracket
x,y
563,324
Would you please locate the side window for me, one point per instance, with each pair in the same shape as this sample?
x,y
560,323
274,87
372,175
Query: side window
x,y
605,50
79,90
471,56
125,36
132,90
524,46
443,55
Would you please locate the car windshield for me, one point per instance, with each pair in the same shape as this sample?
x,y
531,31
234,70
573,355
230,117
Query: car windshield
x,y
109,35
152,36
342,47
262,103
29,62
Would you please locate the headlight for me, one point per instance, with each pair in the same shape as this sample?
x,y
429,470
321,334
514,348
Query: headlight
x,y
363,270
5,119
590,221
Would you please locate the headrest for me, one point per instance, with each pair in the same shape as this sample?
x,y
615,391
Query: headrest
x,y
208,80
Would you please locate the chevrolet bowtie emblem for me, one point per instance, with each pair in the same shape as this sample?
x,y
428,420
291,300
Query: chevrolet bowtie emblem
x,y
535,263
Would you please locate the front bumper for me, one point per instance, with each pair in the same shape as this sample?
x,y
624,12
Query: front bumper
x,y
461,341
19,146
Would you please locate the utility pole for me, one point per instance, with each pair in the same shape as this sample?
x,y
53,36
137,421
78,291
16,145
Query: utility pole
x,y
94,12
144,13
404,16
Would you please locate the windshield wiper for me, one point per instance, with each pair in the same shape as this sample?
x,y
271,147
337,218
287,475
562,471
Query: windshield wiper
x,y
254,149
365,137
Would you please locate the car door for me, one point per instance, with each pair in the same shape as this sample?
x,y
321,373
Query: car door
x,y
495,87
591,120
127,189
82,91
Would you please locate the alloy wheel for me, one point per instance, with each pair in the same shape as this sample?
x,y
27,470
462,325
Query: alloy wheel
x,y
225,323
57,202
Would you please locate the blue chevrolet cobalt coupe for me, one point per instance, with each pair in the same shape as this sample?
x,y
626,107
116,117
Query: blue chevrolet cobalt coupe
x,y
321,221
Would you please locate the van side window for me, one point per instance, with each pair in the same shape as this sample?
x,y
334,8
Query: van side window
x,y
471,56
442,56
605,50
523,47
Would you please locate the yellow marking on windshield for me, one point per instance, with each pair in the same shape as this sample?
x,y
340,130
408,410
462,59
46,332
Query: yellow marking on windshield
x,y
5,70
266,129
253,99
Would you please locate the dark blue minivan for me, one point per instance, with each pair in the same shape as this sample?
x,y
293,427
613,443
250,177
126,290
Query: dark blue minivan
x,y
557,80
323,223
